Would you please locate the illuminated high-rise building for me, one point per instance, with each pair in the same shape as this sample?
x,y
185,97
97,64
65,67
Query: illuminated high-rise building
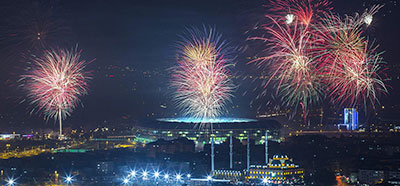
x,y
350,119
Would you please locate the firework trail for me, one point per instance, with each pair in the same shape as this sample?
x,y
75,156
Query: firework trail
x,y
303,11
34,27
55,83
201,77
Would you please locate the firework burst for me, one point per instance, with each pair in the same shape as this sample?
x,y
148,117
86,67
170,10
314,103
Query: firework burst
x,y
55,83
310,53
349,64
336,37
291,64
357,80
201,77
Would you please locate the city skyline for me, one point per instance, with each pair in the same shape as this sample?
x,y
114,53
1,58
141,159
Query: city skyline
x,y
203,92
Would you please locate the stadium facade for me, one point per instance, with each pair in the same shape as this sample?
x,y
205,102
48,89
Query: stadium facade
x,y
169,129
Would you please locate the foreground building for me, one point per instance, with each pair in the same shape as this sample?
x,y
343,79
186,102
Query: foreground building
x,y
280,170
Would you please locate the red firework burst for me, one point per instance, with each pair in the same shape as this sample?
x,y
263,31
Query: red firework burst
x,y
351,68
311,53
291,63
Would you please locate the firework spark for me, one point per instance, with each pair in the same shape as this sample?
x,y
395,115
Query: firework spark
x,y
368,15
304,11
55,83
201,77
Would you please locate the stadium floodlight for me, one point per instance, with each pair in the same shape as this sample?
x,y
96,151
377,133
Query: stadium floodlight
x,y
11,182
178,177
68,179
156,174
125,181
133,173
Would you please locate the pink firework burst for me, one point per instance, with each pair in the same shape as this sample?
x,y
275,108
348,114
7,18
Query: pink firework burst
x,y
201,78
55,82
312,54
356,80
351,67
291,63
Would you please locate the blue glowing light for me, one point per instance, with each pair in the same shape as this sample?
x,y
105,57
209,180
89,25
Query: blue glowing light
x,y
206,120
350,119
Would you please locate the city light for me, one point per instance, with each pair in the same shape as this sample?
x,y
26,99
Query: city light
x,y
169,100
11,182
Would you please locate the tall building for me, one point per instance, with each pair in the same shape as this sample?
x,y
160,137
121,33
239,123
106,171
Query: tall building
x,y
350,119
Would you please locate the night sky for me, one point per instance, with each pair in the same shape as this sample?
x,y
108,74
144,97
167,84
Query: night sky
x,y
134,44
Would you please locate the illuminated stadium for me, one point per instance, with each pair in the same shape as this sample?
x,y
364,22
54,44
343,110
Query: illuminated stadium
x,y
172,128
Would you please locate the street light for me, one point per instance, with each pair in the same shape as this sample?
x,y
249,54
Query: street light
x,y
209,178
188,176
166,176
